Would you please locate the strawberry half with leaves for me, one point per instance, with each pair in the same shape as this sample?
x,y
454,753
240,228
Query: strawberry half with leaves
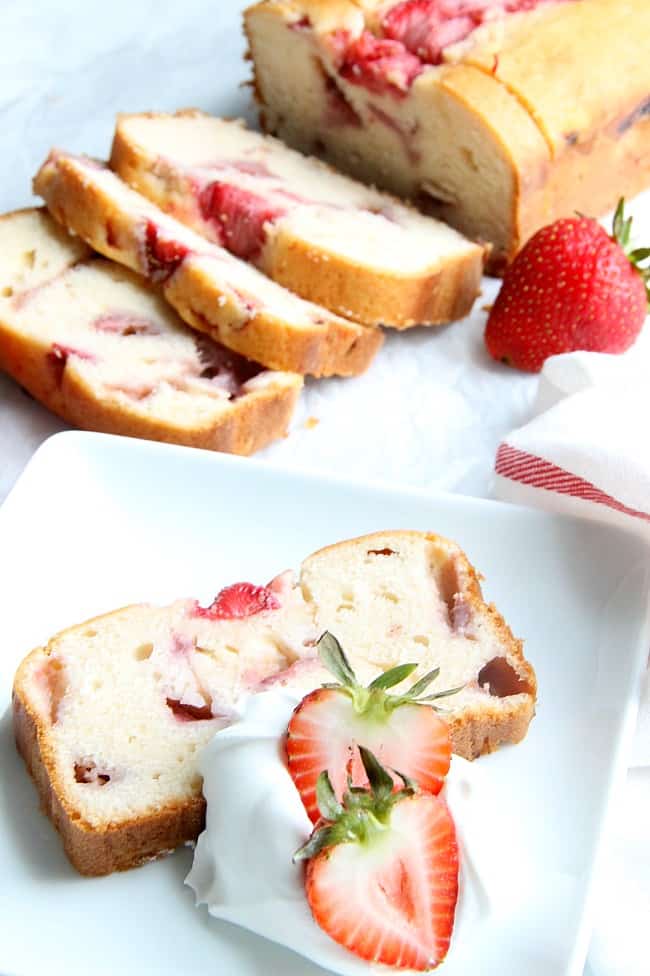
x,y
571,287
382,870
403,730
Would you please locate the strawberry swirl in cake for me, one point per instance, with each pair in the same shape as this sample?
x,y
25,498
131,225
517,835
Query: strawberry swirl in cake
x,y
403,39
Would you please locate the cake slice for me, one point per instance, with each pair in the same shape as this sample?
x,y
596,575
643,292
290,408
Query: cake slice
x,y
111,715
101,349
497,116
396,597
212,290
334,241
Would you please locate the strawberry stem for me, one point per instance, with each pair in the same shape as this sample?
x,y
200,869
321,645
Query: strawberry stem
x,y
374,702
333,657
328,805
621,233
363,815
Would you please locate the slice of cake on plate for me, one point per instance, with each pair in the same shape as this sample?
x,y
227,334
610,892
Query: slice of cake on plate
x,y
332,240
396,597
111,715
101,348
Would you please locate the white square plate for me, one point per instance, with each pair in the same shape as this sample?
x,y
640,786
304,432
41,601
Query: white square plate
x,y
97,522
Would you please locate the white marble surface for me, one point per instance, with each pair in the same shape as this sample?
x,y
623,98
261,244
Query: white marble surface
x,y
431,410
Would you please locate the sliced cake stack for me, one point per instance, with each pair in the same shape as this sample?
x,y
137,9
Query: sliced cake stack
x,y
280,266
107,353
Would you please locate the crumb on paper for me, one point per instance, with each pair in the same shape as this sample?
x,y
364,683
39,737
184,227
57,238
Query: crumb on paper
x,y
487,308
311,422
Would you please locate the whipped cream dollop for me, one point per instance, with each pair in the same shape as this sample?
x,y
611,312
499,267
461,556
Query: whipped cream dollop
x,y
255,821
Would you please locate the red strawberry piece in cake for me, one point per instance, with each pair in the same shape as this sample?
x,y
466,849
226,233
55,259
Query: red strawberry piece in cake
x,y
339,111
162,256
87,771
242,217
381,65
125,324
189,713
250,167
238,601
225,368
427,27
303,24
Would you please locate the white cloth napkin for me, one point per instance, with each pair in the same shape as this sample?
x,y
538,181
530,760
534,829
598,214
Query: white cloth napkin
x,y
587,452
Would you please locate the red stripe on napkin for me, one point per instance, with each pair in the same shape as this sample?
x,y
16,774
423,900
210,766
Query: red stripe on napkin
x,y
528,469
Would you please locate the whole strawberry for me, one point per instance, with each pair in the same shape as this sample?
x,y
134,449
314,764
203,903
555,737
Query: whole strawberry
x,y
571,287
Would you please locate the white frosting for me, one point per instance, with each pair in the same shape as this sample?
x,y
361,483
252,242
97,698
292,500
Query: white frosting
x,y
255,821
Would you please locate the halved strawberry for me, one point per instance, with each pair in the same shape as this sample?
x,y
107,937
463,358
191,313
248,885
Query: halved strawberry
x,y
239,600
382,871
402,730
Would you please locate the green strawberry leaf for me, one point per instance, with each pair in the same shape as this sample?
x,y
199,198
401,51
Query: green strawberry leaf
x,y
319,840
328,805
374,700
639,254
421,686
380,780
443,694
393,677
333,657
364,813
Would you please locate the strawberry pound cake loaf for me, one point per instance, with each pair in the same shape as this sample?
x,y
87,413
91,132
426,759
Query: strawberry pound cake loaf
x,y
334,241
496,115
